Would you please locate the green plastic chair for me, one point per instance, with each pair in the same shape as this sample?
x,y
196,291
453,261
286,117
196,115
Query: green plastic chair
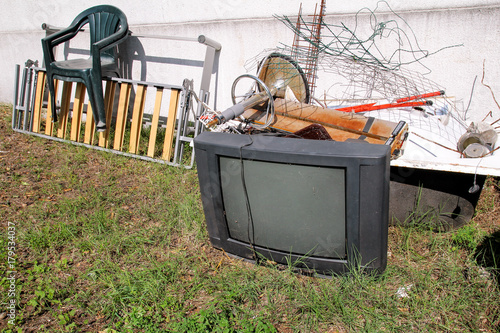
x,y
108,27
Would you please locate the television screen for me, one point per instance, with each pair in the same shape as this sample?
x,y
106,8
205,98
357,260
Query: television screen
x,y
316,226
321,206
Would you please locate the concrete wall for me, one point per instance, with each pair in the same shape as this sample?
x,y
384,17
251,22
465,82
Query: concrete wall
x,y
246,28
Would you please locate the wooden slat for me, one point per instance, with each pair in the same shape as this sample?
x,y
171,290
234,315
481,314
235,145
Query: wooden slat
x,y
121,115
137,115
169,132
37,110
49,125
109,99
154,124
63,116
89,126
76,121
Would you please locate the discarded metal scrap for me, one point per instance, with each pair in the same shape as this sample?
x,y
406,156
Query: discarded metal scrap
x,y
478,141
281,88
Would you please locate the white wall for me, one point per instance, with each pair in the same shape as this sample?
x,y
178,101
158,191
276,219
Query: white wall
x,y
245,28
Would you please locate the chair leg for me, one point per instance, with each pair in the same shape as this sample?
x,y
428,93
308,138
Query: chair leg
x,y
96,99
52,97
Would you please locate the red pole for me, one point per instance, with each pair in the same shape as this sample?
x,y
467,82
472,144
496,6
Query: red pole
x,y
372,106
432,94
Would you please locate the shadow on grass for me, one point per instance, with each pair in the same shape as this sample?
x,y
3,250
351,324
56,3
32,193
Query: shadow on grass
x,y
487,254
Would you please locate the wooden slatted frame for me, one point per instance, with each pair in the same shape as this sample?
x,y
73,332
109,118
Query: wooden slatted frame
x,y
72,109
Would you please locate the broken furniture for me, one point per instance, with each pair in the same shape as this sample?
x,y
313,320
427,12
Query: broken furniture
x,y
147,120
108,27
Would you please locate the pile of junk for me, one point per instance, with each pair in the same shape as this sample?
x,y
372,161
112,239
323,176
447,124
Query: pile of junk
x,y
328,85
438,161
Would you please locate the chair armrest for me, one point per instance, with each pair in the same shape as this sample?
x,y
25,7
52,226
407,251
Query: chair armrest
x,y
61,36
112,39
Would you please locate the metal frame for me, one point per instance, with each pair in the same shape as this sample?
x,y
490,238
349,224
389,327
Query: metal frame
x,y
25,94
22,110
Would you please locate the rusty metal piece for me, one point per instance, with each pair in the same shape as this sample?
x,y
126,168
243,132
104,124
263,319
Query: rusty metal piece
x,y
305,48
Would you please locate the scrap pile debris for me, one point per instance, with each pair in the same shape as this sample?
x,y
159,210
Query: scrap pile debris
x,y
375,98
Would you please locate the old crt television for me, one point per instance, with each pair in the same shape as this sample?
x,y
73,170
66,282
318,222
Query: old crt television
x,y
322,206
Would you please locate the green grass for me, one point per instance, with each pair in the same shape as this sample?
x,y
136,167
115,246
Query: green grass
x,y
108,243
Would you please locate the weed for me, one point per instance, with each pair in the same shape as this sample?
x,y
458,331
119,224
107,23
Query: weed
x,y
43,296
66,321
215,319
468,237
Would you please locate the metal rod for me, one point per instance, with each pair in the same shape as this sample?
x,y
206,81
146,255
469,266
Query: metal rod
x,y
165,86
183,105
33,99
411,98
201,39
122,80
27,113
185,39
16,95
22,98
373,107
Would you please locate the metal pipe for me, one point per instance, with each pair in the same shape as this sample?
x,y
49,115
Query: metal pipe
x,y
184,39
209,42
16,95
238,109
152,84
27,112
33,99
22,95
201,39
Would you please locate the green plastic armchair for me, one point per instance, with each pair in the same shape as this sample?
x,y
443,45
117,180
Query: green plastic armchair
x,y
108,27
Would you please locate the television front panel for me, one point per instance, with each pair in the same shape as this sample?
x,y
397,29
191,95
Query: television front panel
x,y
311,212
321,205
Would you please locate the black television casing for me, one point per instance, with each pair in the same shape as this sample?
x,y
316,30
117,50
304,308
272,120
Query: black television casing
x,y
367,179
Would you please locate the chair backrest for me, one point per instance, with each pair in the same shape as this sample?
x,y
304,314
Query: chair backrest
x,y
103,21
